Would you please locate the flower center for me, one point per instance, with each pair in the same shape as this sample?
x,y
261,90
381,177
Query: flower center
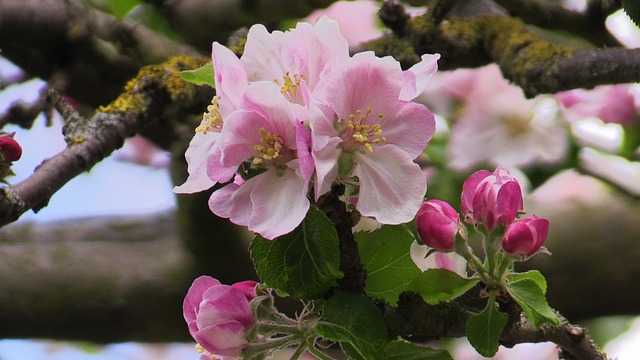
x,y
270,150
212,118
289,85
359,132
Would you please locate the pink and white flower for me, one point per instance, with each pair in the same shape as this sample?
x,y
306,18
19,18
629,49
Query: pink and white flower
x,y
219,316
372,131
265,137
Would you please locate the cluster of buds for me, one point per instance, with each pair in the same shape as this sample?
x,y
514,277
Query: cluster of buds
x,y
10,151
491,202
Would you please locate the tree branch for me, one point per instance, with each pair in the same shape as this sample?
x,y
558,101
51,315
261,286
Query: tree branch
x,y
551,15
531,62
200,22
73,46
95,280
157,94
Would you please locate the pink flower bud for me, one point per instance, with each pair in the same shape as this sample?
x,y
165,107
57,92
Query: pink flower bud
x,y
438,224
493,199
9,148
526,236
218,316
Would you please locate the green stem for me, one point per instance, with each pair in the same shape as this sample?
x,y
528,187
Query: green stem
x,y
253,350
301,348
319,354
463,249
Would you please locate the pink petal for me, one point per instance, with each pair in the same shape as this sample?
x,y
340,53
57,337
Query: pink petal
x,y
192,300
280,203
392,186
225,339
232,202
303,145
363,82
241,134
197,154
469,190
415,80
409,126
230,76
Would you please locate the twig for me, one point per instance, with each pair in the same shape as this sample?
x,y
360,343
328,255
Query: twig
x,y
157,94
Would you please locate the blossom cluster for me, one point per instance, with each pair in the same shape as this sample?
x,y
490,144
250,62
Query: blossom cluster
x,y
491,201
295,114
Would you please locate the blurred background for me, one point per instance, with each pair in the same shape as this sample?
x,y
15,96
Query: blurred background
x,y
100,272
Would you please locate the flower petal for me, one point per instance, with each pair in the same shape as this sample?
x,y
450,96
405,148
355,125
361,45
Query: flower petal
x,y
392,186
415,80
197,155
279,203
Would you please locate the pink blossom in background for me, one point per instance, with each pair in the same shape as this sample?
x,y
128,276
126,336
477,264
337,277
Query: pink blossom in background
x,y
495,118
357,19
370,123
438,224
219,316
611,104
491,198
141,151
526,236
622,28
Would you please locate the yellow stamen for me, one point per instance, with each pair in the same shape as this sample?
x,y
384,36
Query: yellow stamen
x,y
290,83
363,133
212,118
270,147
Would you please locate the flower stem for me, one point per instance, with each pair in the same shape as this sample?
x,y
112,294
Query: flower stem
x,y
319,354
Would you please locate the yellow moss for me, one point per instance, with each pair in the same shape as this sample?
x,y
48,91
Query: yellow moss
x,y
76,140
165,76
512,44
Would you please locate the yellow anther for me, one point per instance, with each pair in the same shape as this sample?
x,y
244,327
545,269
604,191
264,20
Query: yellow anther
x,y
269,149
212,118
289,84
363,133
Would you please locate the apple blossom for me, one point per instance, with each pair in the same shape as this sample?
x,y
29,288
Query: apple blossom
x,y
297,59
495,118
526,236
438,224
219,316
611,104
372,131
493,199
264,138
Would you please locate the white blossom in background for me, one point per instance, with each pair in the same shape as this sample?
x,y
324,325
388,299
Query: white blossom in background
x,y
498,125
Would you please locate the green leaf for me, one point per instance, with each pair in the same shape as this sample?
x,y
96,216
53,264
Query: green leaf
x,y
356,322
304,263
530,297
437,285
403,350
200,76
121,8
484,329
385,255
533,275
632,8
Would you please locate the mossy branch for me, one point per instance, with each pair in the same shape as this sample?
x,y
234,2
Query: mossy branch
x,y
157,94
415,318
527,59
